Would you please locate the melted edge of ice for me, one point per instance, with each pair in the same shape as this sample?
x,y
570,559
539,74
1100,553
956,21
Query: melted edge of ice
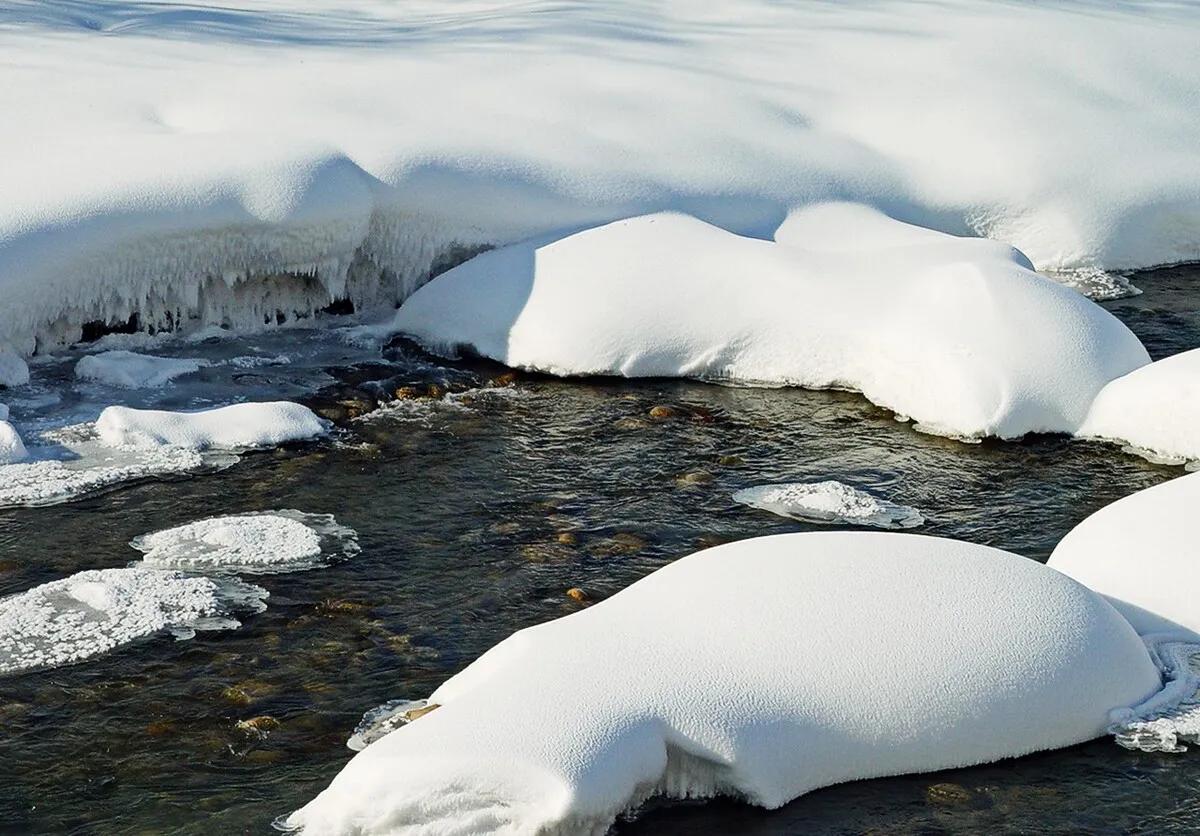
x,y
787,500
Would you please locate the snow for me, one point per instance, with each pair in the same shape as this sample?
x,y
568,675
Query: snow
x,y
128,370
1155,408
764,669
95,611
1170,718
252,543
829,503
13,370
1140,552
957,333
242,164
12,449
235,427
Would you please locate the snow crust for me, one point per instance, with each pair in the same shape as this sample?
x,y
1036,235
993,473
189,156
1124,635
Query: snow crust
x,y
1156,409
830,503
235,427
253,543
129,370
245,164
956,333
1141,553
95,611
764,669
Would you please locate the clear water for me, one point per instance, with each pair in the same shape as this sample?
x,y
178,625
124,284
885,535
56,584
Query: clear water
x,y
460,507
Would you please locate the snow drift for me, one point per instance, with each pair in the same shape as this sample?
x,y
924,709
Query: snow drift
x,y
1141,552
956,333
764,669
245,165
236,427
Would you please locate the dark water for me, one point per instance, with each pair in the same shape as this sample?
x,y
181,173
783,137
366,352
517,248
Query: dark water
x,y
461,512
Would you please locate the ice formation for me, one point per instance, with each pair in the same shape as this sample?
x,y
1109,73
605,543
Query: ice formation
x,y
763,669
243,166
92,612
133,371
956,333
829,502
12,448
1156,409
272,541
236,427
1141,553
13,370
1170,718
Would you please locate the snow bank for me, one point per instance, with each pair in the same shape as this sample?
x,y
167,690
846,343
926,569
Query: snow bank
x,y
829,502
1141,553
244,165
275,541
12,449
1155,408
95,611
236,427
957,333
765,669
133,371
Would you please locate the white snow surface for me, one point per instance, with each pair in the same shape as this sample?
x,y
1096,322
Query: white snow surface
x,y
1156,409
252,543
129,370
13,370
957,333
12,448
236,427
829,502
1143,553
95,611
242,162
764,669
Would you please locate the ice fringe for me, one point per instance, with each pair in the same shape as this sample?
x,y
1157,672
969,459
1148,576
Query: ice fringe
x,y
829,503
1171,717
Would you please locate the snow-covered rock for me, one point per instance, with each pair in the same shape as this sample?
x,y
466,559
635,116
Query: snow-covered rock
x,y
829,502
12,448
92,612
1143,553
13,370
1156,409
765,669
235,427
244,163
129,370
273,541
956,333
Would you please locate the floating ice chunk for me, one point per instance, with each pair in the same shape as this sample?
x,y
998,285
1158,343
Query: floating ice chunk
x,y
960,334
95,611
12,448
1141,553
272,541
254,361
13,370
134,371
829,502
237,427
1155,408
763,669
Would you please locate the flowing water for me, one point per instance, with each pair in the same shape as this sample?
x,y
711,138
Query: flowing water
x,y
475,514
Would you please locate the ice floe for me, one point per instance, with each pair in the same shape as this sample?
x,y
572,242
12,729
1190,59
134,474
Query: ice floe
x,y
252,543
958,334
129,370
95,611
830,503
246,168
762,669
1141,553
236,427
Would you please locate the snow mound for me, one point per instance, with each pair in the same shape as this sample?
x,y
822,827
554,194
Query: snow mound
x,y
96,611
236,427
762,669
13,370
1155,408
956,333
273,541
829,502
133,371
1141,553
12,448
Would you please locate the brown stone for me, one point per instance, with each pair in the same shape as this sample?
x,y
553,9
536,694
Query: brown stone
x,y
948,795
577,594
661,412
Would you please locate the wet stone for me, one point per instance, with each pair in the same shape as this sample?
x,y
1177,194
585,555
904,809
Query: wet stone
x,y
662,412
948,795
